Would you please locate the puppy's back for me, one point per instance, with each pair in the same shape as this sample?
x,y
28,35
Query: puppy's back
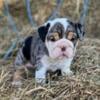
x,y
24,53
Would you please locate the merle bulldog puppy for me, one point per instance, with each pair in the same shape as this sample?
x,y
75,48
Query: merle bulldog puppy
x,y
51,48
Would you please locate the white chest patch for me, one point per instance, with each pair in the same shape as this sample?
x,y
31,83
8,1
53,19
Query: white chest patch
x,y
54,64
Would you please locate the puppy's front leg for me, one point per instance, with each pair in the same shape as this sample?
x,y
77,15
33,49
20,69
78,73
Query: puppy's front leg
x,y
66,68
66,71
40,75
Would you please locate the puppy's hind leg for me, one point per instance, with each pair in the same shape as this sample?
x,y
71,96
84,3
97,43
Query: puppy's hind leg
x,y
19,69
20,59
17,77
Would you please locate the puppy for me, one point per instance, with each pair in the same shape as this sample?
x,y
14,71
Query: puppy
x,y
51,48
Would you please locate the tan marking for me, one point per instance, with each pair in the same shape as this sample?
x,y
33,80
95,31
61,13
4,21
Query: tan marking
x,y
56,36
71,35
17,75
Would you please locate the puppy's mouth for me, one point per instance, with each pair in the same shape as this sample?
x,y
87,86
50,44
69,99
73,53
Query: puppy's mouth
x,y
64,55
58,54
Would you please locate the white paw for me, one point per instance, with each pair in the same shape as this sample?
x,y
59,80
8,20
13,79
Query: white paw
x,y
40,81
40,76
68,73
17,83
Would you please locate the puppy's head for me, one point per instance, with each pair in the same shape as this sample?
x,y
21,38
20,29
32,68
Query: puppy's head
x,y
60,37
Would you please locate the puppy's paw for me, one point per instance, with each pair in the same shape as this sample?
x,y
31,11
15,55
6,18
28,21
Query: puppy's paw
x,y
40,82
40,76
67,73
17,83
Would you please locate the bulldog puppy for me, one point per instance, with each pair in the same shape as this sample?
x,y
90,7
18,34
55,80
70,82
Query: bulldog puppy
x,y
52,47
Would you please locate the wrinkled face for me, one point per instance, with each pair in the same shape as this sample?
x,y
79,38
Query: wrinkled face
x,y
61,38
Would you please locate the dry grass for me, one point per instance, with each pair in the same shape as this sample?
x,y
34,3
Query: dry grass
x,y
83,85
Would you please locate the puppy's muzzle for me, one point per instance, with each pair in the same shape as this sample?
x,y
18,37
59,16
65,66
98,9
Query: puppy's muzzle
x,y
63,48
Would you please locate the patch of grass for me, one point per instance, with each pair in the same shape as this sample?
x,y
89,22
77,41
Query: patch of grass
x,y
83,85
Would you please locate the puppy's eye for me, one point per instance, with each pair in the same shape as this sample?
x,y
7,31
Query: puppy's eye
x,y
71,36
73,39
54,37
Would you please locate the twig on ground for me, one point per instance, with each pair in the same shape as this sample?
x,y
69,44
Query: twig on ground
x,y
37,89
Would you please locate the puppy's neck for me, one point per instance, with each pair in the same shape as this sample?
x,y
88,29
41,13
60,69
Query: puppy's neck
x,y
54,64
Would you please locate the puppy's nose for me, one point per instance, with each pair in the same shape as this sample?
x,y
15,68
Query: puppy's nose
x,y
63,48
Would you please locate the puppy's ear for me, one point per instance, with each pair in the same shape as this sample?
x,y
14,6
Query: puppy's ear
x,y
43,30
79,30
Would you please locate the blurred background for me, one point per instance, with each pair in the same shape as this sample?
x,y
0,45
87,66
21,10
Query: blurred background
x,y
41,9
16,21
